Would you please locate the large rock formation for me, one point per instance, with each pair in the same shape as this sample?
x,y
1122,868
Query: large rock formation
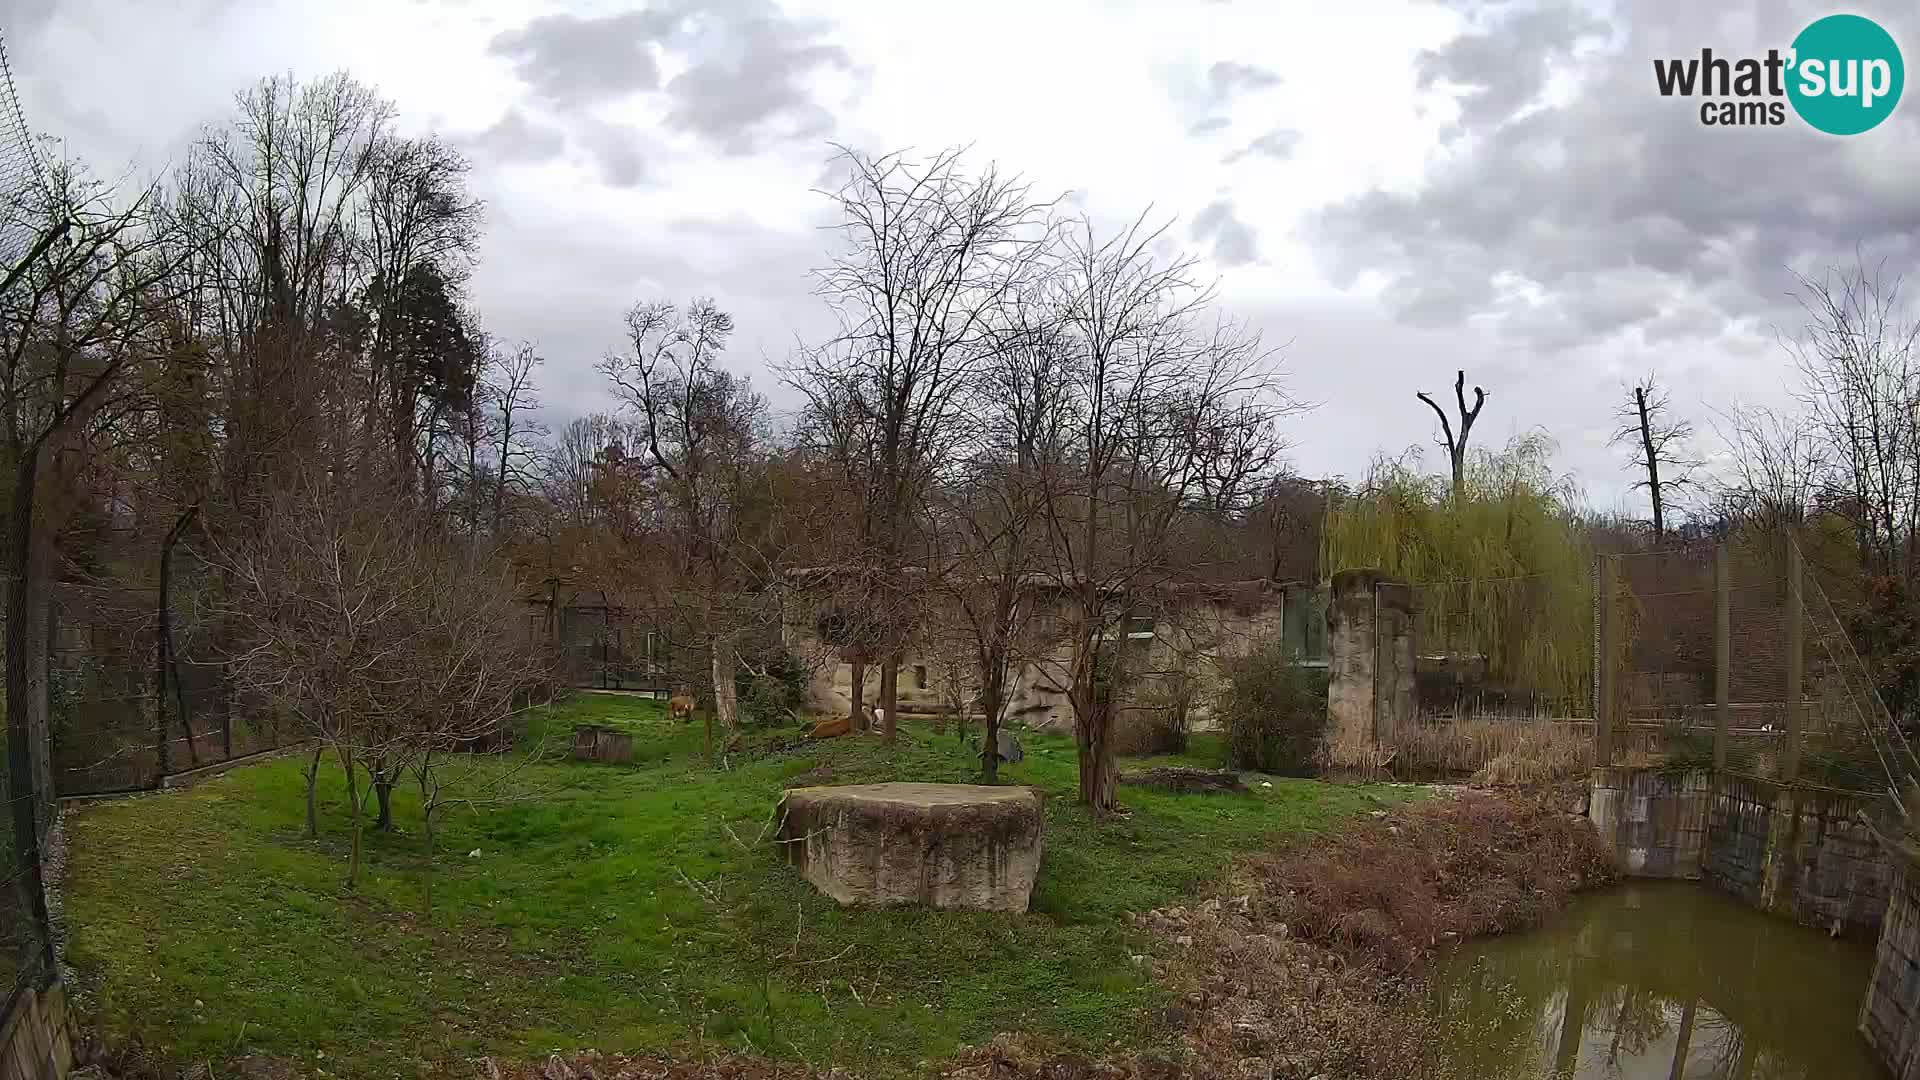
x,y
941,845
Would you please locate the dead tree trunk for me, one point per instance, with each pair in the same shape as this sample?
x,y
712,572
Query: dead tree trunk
x,y
1456,446
726,701
1652,457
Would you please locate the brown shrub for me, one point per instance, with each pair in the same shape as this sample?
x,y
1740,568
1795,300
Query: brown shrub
x,y
1391,889
1501,753
1144,732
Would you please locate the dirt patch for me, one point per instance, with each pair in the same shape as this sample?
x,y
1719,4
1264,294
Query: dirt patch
x,y
592,1065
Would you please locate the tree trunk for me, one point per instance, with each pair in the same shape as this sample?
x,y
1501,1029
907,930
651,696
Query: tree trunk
x,y
858,690
889,697
429,795
353,809
1096,763
383,795
726,703
26,609
1652,457
991,691
313,781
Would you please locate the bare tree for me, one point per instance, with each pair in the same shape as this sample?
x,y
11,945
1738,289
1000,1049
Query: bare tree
x,y
76,320
701,430
988,525
1456,445
1659,441
1165,419
928,249
1775,468
510,391
1860,382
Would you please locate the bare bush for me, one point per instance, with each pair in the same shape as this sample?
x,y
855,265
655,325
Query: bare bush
x,y
385,639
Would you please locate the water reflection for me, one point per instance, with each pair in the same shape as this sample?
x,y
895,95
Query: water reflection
x,y
1659,979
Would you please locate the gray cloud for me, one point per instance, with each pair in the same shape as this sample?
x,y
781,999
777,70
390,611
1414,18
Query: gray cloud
x,y
1207,125
748,82
1504,63
1611,210
517,137
571,61
1227,79
1280,143
746,68
561,279
618,152
1234,241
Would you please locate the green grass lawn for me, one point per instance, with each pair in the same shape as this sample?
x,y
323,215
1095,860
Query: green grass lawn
x,y
611,907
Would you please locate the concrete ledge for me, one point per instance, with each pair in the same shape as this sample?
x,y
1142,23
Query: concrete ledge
x,y
939,845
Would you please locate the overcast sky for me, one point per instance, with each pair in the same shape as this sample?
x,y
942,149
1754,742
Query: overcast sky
x,y
1390,190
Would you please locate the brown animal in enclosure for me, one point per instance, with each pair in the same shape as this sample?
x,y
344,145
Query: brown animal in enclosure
x,y
680,706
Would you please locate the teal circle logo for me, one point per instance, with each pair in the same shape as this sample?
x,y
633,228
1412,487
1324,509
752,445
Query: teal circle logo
x,y
1846,74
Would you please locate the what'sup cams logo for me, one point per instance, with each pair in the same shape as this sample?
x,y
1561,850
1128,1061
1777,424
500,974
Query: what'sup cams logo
x,y
1842,75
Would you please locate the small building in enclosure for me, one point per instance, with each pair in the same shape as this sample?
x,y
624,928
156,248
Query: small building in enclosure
x,y
1181,641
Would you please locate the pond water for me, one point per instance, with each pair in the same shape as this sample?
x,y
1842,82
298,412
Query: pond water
x,y
1658,980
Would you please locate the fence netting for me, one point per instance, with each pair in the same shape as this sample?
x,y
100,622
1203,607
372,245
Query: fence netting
x,y
112,730
1797,702
25,934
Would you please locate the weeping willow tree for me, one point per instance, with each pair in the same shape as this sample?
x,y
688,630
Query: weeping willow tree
x,y
1503,572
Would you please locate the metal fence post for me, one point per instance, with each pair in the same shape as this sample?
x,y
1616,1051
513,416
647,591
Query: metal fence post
x,y
1796,658
1722,653
1604,667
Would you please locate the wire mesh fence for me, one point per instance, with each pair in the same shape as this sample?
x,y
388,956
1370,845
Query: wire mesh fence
x,y
610,648
110,729
1730,655
26,950
1733,655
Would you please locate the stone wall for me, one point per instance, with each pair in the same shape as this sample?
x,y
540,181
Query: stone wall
x,y
1890,1013
1797,851
1655,821
36,1042
1202,629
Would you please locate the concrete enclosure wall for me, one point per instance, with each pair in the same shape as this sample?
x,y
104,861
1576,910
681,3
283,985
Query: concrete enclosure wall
x,y
1370,659
36,1042
1792,850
